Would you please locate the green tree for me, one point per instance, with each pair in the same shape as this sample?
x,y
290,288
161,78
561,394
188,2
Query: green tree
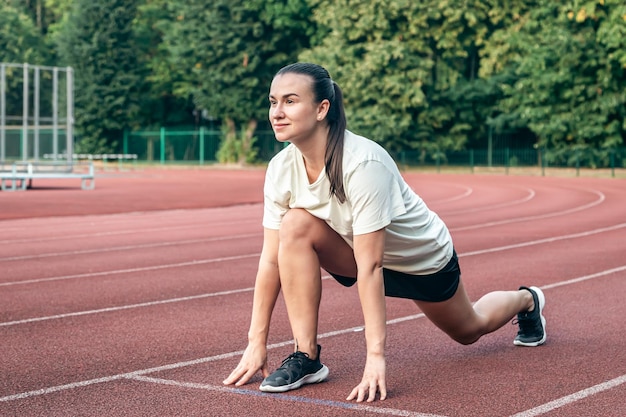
x,y
566,68
57,13
159,105
378,58
20,42
409,69
459,102
98,42
226,52
35,9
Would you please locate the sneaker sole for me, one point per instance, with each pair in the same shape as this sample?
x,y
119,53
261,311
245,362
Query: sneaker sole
x,y
315,378
542,303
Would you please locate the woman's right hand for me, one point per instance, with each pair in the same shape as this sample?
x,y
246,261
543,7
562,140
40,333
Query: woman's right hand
x,y
254,359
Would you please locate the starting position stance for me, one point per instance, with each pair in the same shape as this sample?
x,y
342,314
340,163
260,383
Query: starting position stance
x,y
336,200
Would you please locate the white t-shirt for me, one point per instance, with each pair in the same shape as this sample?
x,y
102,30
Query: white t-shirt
x,y
417,241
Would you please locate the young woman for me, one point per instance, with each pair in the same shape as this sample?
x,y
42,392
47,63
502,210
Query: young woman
x,y
335,200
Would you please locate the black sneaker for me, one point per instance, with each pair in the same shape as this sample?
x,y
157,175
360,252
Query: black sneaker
x,y
294,372
532,324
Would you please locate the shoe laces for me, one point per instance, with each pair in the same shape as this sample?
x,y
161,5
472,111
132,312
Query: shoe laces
x,y
298,356
526,322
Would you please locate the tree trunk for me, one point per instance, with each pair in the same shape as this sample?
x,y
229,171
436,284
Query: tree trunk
x,y
39,16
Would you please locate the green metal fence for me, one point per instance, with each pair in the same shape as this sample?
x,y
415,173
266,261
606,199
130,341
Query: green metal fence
x,y
187,146
508,158
200,146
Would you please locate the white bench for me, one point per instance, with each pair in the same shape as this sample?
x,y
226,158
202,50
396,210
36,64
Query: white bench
x,y
21,175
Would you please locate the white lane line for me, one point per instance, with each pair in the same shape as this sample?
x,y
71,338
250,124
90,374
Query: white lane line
x,y
50,390
249,289
142,230
599,200
89,251
471,227
546,240
530,196
230,355
129,247
205,261
110,309
350,406
131,306
130,270
467,193
572,398
161,368
125,307
585,277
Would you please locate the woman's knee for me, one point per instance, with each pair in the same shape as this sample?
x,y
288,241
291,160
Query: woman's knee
x,y
456,317
296,224
466,330
462,330
465,337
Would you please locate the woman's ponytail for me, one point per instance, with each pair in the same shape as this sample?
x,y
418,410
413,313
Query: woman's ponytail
x,y
334,147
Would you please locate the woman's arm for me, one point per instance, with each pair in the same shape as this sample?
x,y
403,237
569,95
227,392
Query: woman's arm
x,y
266,289
368,253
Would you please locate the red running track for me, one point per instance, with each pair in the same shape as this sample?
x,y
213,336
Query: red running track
x,y
134,299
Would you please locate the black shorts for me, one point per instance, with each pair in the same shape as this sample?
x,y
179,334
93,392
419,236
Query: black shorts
x,y
439,286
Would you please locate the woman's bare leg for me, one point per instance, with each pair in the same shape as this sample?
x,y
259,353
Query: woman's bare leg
x,y
306,244
466,323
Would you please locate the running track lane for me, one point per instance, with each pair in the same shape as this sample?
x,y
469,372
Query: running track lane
x,y
550,245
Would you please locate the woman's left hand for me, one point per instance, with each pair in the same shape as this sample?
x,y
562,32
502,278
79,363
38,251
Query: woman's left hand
x,y
373,380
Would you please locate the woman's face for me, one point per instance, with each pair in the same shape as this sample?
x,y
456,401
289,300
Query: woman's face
x,y
293,112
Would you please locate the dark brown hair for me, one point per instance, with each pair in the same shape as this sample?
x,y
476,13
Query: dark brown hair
x,y
325,88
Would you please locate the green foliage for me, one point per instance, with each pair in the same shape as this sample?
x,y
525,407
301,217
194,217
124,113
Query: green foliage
x,y
229,149
34,10
227,51
404,67
98,42
93,145
236,148
159,105
425,77
368,50
567,66
20,41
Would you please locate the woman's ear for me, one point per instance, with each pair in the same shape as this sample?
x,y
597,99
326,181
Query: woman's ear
x,y
322,109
